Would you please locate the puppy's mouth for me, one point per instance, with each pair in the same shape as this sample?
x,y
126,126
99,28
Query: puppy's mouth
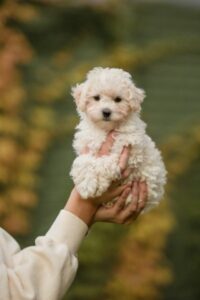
x,y
106,119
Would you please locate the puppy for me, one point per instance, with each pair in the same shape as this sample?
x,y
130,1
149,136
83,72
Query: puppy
x,y
109,100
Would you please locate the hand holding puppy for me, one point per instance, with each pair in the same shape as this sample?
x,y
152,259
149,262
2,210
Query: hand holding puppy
x,y
119,212
91,211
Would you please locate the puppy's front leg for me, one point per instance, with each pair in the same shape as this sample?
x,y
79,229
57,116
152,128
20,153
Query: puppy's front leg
x,y
84,175
107,169
93,176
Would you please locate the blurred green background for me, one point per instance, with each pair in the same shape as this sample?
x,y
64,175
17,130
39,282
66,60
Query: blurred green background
x,y
46,46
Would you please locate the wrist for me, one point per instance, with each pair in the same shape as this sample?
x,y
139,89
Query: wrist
x,y
83,209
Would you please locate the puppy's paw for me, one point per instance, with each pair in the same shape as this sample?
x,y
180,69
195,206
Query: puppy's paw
x,y
88,187
84,176
107,168
92,176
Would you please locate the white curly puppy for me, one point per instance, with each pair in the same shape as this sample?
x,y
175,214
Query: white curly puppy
x,y
109,100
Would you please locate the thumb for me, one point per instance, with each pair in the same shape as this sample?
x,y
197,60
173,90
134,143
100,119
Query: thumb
x,y
107,145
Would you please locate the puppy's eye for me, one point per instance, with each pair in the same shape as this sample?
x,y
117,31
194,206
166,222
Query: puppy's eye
x,y
118,99
96,97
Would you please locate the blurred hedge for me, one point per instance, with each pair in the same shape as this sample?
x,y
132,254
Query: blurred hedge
x,y
45,47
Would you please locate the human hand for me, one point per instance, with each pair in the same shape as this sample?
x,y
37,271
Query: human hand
x,y
120,213
86,209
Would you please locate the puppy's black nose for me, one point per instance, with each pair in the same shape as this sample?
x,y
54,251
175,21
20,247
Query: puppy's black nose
x,y
106,113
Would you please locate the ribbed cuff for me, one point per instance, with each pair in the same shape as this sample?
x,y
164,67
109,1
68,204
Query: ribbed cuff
x,y
69,229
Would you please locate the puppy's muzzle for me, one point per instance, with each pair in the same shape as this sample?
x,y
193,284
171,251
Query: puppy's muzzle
x,y
106,113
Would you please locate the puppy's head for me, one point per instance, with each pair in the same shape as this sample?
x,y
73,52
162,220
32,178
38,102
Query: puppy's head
x,y
108,96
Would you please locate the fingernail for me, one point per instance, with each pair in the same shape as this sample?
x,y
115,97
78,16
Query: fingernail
x,y
114,134
127,173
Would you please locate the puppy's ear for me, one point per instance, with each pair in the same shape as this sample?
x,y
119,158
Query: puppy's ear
x,y
77,94
138,96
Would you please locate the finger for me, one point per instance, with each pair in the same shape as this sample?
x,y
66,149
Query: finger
x,y
142,196
131,210
135,192
118,190
107,145
139,195
115,184
119,182
126,173
131,219
120,203
124,157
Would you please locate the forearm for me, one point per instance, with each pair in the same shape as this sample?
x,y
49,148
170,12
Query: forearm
x,y
83,209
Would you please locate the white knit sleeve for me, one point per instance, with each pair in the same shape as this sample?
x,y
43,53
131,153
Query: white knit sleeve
x,y
45,270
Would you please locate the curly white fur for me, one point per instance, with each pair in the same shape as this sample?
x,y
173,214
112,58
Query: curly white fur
x,y
108,100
